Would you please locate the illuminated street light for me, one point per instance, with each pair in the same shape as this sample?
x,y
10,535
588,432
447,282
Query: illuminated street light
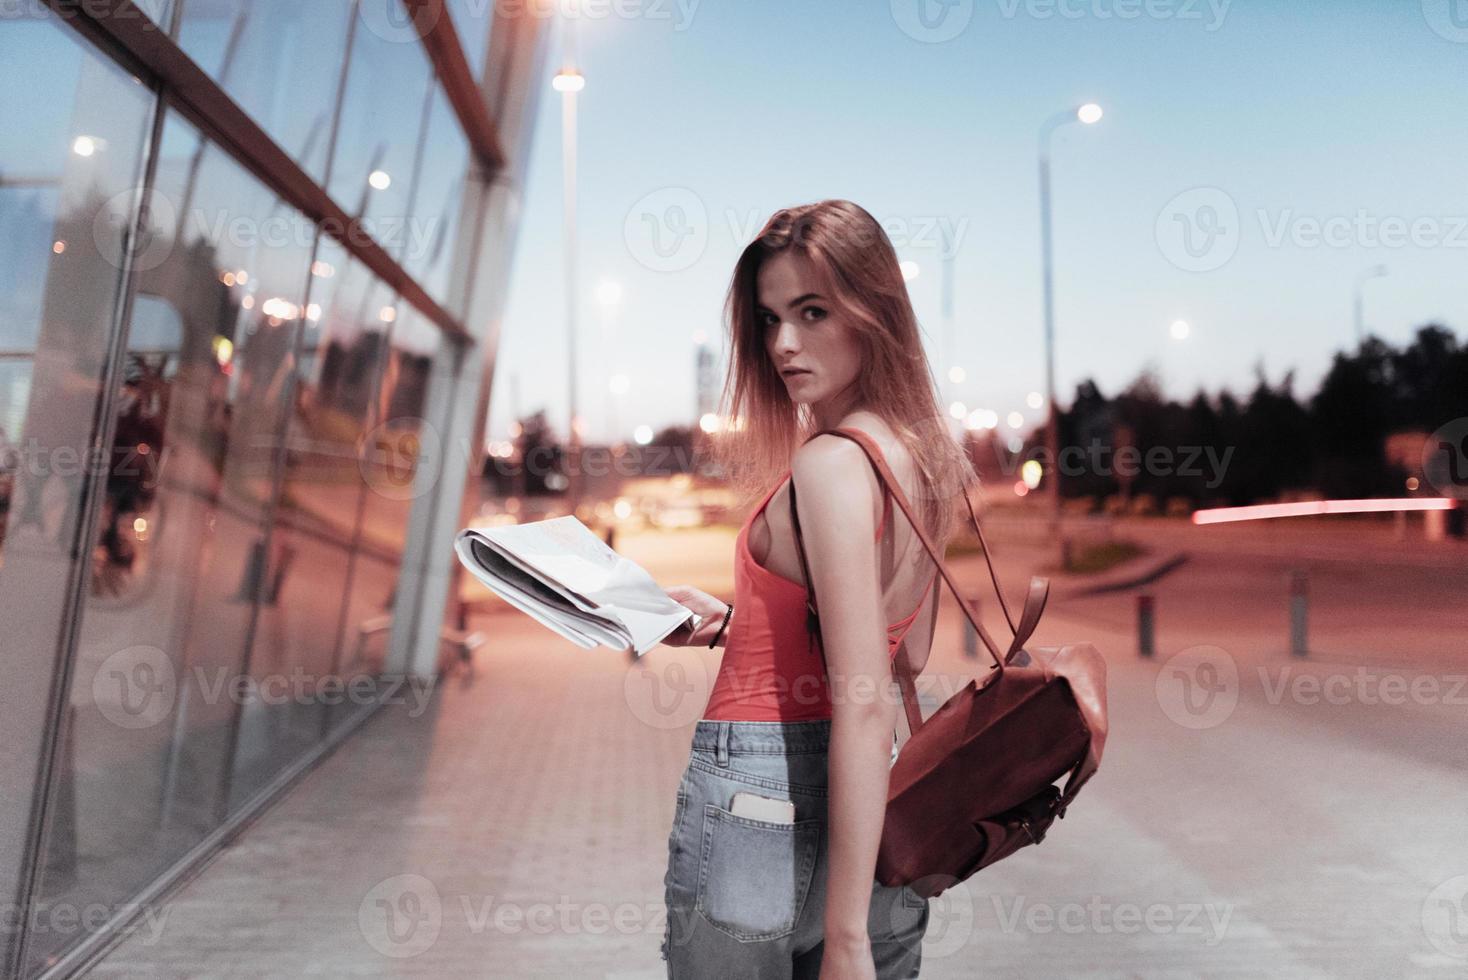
x,y
1180,330
568,80
1087,114
380,180
910,270
84,146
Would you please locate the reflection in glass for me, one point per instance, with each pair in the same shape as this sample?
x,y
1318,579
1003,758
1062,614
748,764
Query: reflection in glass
x,y
438,205
220,275
382,118
281,60
71,152
299,629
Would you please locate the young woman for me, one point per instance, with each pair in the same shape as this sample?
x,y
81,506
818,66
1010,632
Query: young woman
x,y
823,336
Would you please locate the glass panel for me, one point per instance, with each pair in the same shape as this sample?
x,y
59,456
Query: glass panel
x,y
281,60
297,634
73,131
383,114
180,547
438,204
397,442
472,21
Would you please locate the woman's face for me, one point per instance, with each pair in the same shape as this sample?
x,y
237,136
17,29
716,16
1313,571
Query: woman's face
x,y
801,330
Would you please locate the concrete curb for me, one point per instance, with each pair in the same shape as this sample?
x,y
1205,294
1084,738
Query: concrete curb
x,y
1134,573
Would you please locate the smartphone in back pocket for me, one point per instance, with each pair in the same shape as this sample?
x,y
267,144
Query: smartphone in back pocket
x,y
758,807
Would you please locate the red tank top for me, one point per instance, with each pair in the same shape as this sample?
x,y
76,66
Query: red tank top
x,y
769,671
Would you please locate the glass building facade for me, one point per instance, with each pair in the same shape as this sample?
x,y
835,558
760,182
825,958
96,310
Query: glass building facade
x,y
252,261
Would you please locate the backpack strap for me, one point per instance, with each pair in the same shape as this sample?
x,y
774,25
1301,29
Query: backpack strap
x,y
901,665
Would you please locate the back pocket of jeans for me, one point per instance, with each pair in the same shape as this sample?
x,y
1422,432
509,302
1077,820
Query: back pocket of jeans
x,y
754,875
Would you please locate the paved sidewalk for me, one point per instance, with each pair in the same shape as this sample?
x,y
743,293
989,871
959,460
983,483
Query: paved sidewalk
x,y
517,828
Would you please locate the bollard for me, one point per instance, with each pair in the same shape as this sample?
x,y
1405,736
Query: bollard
x,y
1299,608
1146,626
971,635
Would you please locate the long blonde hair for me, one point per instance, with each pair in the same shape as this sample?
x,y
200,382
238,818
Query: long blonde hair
x,y
859,273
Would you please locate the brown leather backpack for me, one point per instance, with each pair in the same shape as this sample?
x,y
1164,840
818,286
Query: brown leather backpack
x,y
975,782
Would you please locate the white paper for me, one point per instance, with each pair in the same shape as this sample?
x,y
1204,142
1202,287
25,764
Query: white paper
x,y
565,577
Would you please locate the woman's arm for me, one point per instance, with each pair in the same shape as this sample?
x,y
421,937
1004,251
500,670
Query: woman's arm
x,y
837,500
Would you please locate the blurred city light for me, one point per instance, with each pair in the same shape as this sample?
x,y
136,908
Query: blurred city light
x,y
1180,330
1031,472
642,435
84,146
380,180
1311,508
1034,399
956,374
1089,113
709,422
568,80
909,269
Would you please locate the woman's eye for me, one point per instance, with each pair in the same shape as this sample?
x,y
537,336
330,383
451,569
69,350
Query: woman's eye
x,y
814,312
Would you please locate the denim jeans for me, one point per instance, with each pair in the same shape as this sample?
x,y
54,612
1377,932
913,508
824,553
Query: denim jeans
x,y
745,897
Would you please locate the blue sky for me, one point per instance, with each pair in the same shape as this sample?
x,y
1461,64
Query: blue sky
x,y
1332,127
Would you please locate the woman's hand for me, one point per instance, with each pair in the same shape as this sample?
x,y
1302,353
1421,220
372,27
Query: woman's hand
x,y
705,605
847,959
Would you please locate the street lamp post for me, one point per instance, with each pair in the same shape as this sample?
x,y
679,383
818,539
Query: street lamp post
x,y
1087,114
568,81
1375,272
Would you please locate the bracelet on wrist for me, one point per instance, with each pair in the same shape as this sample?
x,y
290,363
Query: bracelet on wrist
x,y
727,613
